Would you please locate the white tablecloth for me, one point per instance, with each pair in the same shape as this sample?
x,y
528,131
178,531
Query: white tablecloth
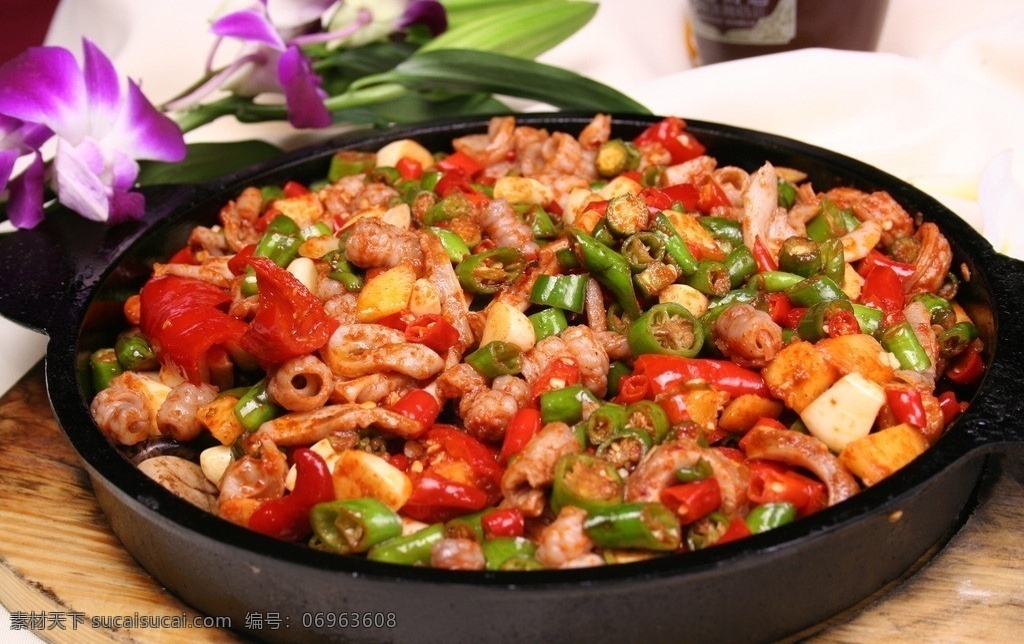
x,y
941,104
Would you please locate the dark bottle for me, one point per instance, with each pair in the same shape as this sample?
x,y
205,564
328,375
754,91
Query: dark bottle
x,y
730,29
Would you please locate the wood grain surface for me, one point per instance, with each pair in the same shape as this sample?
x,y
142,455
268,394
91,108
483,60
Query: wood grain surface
x,y
58,556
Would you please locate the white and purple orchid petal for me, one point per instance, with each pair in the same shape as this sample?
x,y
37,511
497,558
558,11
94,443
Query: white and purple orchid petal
x,y
103,87
144,132
363,19
77,170
7,159
249,25
297,14
302,91
25,203
429,13
257,75
44,85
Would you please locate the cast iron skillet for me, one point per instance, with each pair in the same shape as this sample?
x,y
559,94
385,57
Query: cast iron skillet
x,y
68,278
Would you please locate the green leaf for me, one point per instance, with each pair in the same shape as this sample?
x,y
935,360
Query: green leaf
x,y
413,108
463,11
525,30
479,71
205,161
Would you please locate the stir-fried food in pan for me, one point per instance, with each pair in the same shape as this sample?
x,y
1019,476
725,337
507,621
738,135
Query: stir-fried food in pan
x,y
536,349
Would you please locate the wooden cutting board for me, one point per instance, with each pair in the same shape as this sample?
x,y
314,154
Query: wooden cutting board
x,y
59,559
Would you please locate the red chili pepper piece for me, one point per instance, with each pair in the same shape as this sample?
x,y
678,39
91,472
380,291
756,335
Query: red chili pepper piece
x,y
632,388
560,373
950,406
483,459
875,258
664,373
183,256
674,405
460,162
779,307
772,482
693,501
240,260
523,426
433,331
686,194
289,322
507,522
420,405
294,189
711,195
409,168
436,498
907,406
287,517
843,323
182,318
737,529
883,289
655,199
763,257
967,368
670,133
458,182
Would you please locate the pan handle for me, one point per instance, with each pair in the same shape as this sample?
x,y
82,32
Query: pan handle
x,y
995,418
45,268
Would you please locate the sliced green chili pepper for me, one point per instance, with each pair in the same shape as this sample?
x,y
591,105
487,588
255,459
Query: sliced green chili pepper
x,y
567,259
411,549
706,531
105,367
486,272
711,278
386,174
616,156
955,340
270,193
508,553
134,353
900,340
466,526
319,229
723,229
353,525
561,291
741,264
666,328
255,407
814,289
650,417
647,526
280,243
643,249
830,222
604,421
787,194
602,234
768,516
496,358
453,245
346,163
627,214
675,245
453,205
801,256
585,481
774,281
833,260
548,322
625,448
565,404
609,268
869,318
541,223
814,324
617,320
941,311
342,271
697,472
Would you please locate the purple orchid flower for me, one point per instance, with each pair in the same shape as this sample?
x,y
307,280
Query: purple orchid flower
x,y
274,31
101,131
25,198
